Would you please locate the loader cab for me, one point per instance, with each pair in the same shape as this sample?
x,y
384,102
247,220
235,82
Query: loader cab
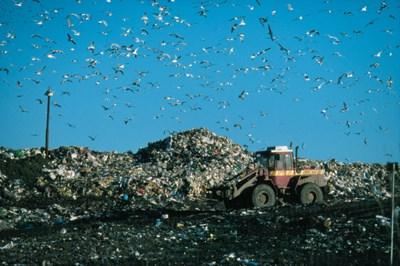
x,y
276,158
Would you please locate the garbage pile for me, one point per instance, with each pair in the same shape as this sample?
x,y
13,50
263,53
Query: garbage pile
x,y
177,173
353,181
190,163
182,167
358,181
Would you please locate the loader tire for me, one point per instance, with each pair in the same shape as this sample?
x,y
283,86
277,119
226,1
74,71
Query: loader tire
x,y
263,196
311,193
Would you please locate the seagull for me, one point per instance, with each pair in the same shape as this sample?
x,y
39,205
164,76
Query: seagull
x,y
284,49
236,25
345,108
129,105
33,80
324,112
142,74
127,120
253,56
40,71
5,70
263,20
23,110
318,59
312,33
18,4
105,108
91,47
378,54
119,69
135,52
177,36
237,125
203,11
243,95
271,35
344,75
145,19
70,39
335,40
389,82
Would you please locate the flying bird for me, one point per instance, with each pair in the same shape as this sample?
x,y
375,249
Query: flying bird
x,y
345,108
23,110
243,95
6,70
105,108
203,11
70,39
127,120
271,35
263,20
91,47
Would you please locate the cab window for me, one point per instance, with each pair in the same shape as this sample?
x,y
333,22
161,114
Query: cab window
x,y
288,161
280,162
261,159
271,161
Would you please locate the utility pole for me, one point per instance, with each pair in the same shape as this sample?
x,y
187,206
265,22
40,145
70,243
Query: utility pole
x,y
48,93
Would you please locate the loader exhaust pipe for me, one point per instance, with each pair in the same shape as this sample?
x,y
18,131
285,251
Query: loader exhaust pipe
x,y
296,156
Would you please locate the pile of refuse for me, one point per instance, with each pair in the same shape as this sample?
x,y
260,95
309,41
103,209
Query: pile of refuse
x,y
358,181
173,172
178,169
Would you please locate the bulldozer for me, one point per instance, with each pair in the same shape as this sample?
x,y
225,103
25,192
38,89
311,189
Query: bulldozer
x,y
278,173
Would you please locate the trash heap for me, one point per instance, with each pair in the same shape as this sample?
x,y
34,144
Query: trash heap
x,y
180,168
177,173
358,181
189,164
353,181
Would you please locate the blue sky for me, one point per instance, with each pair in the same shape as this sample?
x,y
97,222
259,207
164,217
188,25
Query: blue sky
x,y
321,74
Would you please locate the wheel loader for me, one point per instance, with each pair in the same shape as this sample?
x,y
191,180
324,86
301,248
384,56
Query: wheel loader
x,y
278,173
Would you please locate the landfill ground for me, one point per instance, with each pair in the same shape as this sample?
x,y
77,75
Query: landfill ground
x,y
285,235
156,207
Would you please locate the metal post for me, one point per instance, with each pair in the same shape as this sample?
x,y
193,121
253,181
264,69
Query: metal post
x,y
392,220
393,167
48,93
